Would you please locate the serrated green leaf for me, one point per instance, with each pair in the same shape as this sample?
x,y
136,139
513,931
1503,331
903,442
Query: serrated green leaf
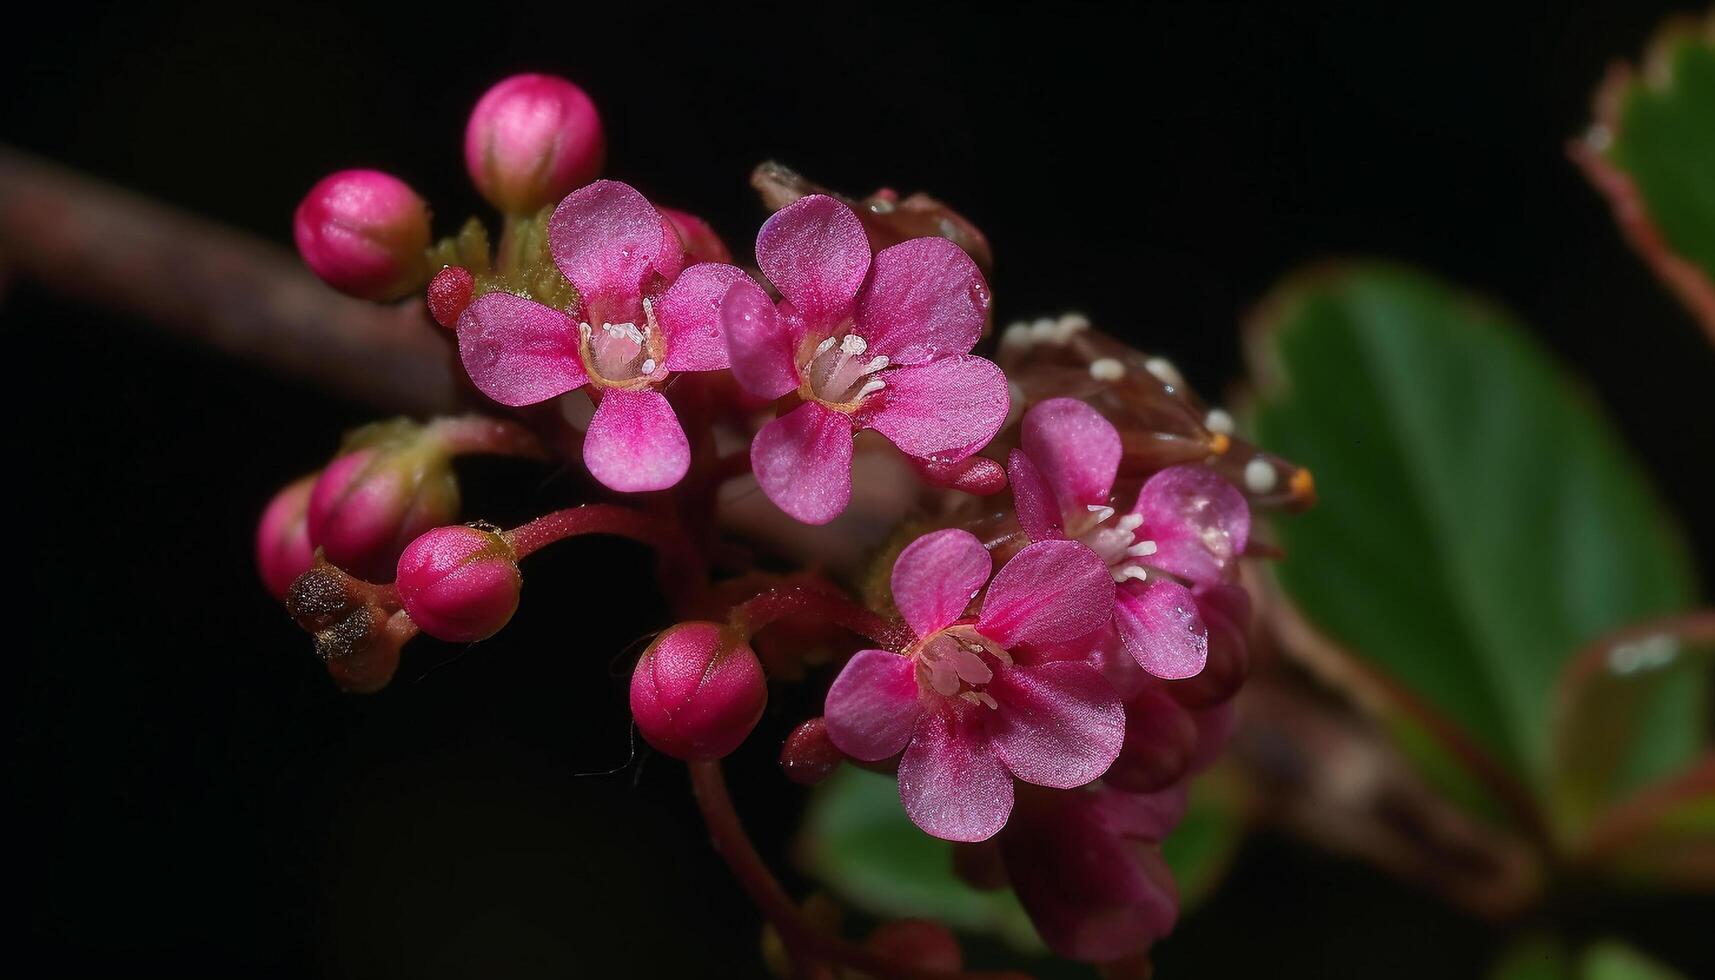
x,y
1478,520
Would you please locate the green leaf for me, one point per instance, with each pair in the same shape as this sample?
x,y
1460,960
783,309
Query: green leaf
x,y
860,842
1663,137
1478,520
1535,957
1611,959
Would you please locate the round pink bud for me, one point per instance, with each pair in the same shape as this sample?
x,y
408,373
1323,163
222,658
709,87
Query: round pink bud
x,y
531,140
697,692
364,233
370,503
809,755
697,236
459,584
917,944
449,293
283,549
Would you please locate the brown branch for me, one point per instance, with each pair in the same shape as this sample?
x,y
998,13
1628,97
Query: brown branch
x,y
239,294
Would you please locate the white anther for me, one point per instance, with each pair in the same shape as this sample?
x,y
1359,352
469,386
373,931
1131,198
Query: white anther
x,y
1071,323
852,345
1044,329
870,387
1130,571
980,698
584,331
1164,371
1016,335
1143,549
1218,420
1260,476
648,365
876,365
1102,511
1129,522
1107,369
627,330
824,347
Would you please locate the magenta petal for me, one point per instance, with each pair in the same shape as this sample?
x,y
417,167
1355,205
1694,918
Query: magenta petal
x,y
872,707
937,576
1049,593
1058,724
815,252
804,462
635,442
690,317
925,299
1076,448
757,341
519,352
1161,628
1038,512
951,784
950,407
606,237
1198,521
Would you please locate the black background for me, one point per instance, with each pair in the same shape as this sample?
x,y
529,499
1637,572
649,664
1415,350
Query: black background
x,y
194,794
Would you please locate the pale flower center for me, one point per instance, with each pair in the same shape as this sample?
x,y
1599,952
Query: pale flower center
x,y
838,373
1114,540
954,663
622,354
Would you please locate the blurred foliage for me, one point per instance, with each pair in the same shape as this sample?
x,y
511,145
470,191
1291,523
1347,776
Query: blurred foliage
x,y
1543,958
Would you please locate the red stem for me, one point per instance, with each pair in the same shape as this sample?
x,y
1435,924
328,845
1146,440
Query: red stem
x,y
759,611
470,434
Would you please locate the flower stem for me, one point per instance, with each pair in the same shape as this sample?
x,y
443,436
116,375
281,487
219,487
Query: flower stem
x,y
468,434
768,607
679,566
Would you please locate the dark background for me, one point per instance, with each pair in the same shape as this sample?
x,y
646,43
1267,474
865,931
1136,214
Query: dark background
x,y
195,795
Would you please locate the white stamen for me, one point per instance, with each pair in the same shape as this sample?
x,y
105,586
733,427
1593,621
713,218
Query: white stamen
x,y
1044,329
1102,511
1164,371
1218,420
1016,335
627,330
1260,476
649,365
1107,369
877,364
648,313
1130,571
1129,522
1071,323
584,331
824,347
852,345
1143,549
979,698
870,387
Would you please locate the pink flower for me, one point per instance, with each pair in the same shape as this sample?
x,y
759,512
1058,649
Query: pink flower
x,y
530,140
864,344
1187,522
974,703
364,233
639,320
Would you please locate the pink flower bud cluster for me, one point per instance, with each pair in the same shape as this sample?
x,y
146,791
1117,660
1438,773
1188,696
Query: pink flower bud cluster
x,y
1044,669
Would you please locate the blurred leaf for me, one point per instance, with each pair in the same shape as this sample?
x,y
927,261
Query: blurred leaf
x,y
1536,957
860,842
1610,959
1479,521
1621,707
1202,847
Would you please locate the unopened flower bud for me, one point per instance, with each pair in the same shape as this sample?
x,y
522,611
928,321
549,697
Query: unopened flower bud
x,y
1226,611
1160,740
1088,869
531,140
697,692
283,549
698,238
364,233
459,584
917,944
373,501
809,756
449,294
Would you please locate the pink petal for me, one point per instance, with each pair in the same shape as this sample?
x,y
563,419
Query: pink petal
x,y
937,576
606,238
1038,512
925,299
1161,628
635,442
1198,521
758,343
872,706
1059,724
803,460
951,784
1049,593
950,407
815,252
690,317
1076,448
519,352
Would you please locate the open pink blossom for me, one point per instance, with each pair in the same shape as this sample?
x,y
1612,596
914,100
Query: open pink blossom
x,y
639,319
864,344
1187,522
973,703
